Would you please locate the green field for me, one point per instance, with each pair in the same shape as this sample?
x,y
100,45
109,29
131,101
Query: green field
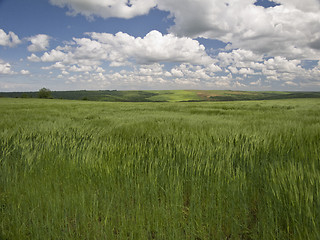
x,y
196,171
166,96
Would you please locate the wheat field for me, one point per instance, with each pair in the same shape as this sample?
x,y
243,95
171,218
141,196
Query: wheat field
x,y
211,170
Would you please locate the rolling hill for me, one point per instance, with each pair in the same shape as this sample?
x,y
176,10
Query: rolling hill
x,y
166,95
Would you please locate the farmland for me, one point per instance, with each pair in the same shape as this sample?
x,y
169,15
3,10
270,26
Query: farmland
x,y
154,170
167,95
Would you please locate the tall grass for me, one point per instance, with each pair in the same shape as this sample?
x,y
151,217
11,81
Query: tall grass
x,y
90,170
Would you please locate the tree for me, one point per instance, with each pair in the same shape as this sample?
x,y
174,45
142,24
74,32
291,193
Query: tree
x,y
44,93
85,98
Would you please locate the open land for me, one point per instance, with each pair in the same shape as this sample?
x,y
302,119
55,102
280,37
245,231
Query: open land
x,y
186,170
166,95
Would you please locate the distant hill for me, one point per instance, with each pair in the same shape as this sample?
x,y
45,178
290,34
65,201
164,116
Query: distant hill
x,y
166,95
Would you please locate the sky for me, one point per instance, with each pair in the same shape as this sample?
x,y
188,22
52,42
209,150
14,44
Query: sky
x,y
257,45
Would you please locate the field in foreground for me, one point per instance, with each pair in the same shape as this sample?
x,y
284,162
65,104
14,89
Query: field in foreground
x,y
95,170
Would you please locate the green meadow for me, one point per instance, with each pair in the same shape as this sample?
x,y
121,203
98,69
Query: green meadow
x,y
166,95
152,170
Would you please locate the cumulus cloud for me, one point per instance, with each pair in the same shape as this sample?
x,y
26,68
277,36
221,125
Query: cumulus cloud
x,y
264,45
53,56
84,59
155,76
122,49
25,72
290,29
5,68
106,8
283,65
9,40
276,71
256,83
39,43
33,58
276,68
290,83
239,58
246,71
154,47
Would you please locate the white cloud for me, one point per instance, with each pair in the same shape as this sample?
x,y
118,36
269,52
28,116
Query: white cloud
x,y
25,72
290,30
154,47
176,72
269,42
148,56
246,71
256,83
290,83
9,40
100,70
280,69
195,72
283,65
239,57
244,62
155,69
121,49
106,8
57,65
233,69
53,56
81,61
81,69
214,68
5,68
262,58
39,43
33,58
159,76
153,76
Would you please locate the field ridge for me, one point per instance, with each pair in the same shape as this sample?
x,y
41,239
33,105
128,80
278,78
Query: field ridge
x,y
167,95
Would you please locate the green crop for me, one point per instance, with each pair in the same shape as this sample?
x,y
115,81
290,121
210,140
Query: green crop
x,y
210,170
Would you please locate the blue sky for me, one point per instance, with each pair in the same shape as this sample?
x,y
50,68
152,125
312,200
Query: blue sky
x,y
159,44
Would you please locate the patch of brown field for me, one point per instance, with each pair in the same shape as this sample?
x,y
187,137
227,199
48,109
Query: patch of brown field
x,y
241,93
207,94
237,93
